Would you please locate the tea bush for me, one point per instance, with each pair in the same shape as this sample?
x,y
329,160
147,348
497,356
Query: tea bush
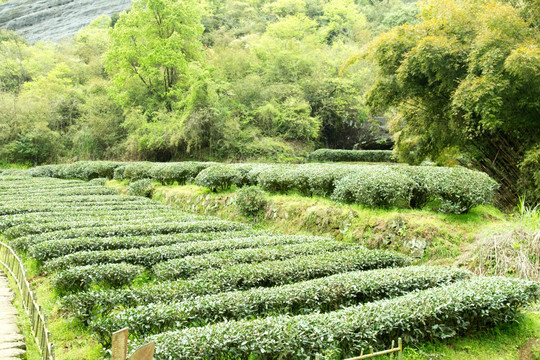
x,y
324,294
251,200
375,186
454,190
353,155
148,257
238,277
106,275
436,313
192,265
143,187
98,181
56,248
218,177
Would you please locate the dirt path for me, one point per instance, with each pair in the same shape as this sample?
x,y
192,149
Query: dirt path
x,y
11,341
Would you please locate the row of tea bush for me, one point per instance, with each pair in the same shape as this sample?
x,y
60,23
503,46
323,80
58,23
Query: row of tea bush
x,y
454,190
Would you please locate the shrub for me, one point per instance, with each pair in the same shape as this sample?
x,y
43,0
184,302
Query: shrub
x,y
456,189
272,273
57,248
243,174
280,249
217,178
23,243
322,295
375,186
98,181
169,173
353,155
106,275
251,200
150,256
142,187
276,178
119,172
436,313
137,171
44,171
238,277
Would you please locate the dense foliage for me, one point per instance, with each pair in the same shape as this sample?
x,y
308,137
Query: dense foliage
x,y
465,84
171,80
453,190
324,294
436,313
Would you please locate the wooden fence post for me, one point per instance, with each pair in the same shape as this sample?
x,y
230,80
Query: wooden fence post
x,y
119,344
119,347
145,352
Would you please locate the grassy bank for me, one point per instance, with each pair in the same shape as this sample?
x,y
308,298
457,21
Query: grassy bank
x,y
429,236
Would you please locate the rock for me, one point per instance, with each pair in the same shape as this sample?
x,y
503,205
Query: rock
x,y
54,20
416,247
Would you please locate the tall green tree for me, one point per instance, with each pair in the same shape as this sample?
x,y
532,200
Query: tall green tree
x,y
152,47
466,79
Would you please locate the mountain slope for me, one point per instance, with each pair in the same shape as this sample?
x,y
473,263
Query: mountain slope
x,y
54,19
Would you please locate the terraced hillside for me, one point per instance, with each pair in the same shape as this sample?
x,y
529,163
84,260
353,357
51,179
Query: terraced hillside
x,y
208,288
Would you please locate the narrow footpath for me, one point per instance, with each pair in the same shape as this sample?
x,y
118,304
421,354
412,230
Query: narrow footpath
x,y
11,341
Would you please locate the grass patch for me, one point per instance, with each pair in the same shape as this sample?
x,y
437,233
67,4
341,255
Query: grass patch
x,y
71,340
507,342
430,236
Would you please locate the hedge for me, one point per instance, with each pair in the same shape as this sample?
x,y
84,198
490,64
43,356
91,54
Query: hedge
x,y
218,177
107,275
76,207
169,173
436,313
239,277
454,190
23,243
192,265
279,272
322,295
143,187
74,223
353,155
84,170
57,248
375,186
149,257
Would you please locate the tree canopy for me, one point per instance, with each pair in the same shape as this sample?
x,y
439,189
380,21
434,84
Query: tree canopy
x,y
463,83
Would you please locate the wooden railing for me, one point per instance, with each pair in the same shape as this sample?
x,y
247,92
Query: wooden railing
x,y
14,267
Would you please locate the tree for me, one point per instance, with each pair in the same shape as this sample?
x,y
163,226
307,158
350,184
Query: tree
x,y
466,78
152,46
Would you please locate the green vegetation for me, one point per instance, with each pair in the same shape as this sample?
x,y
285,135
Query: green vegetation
x,y
170,100
187,273
434,313
353,155
298,298
452,190
171,80
464,82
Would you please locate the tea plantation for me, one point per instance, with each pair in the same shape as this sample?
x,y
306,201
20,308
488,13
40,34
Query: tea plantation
x,y
206,288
